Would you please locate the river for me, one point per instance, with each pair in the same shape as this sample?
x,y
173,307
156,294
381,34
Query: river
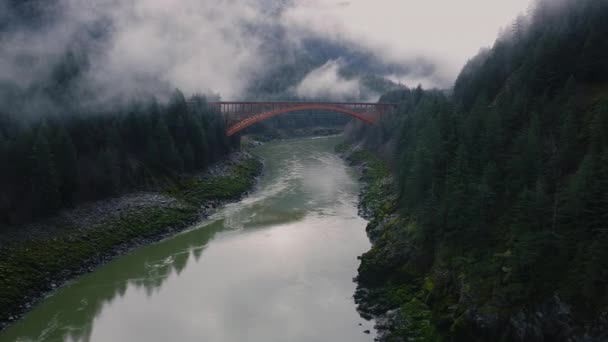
x,y
276,266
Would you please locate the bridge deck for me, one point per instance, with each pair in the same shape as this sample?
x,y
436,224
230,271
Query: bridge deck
x,y
242,114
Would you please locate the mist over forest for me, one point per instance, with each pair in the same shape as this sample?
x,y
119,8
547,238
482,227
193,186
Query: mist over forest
x,y
65,55
120,73
485,189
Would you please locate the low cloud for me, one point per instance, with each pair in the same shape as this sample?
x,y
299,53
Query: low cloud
x,y
446,34
325,82
128,48
195,45
133,47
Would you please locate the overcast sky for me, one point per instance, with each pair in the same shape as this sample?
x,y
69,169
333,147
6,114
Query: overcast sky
x,y
447,32
210,46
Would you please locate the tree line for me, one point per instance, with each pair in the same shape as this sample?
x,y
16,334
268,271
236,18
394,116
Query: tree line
x,y
58,161
506,179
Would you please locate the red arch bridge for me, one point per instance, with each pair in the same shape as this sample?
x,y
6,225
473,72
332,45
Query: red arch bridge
x,y
240,115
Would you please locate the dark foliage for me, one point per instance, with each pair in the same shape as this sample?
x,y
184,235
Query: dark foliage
x,y
62,160
507,180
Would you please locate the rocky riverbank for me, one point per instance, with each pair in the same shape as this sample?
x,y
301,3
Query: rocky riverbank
x,y
378,203
37,258
414,299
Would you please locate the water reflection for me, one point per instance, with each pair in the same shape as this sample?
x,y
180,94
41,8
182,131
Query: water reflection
x,y
73,308
276,266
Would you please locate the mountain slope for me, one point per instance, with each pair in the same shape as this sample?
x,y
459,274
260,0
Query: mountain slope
x,y
499,231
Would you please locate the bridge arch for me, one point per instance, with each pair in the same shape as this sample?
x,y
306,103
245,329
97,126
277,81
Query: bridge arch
x,y
242,124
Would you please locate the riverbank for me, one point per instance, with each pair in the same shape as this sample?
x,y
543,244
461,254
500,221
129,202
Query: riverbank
x,y
415,298
38,258
393,294
277,265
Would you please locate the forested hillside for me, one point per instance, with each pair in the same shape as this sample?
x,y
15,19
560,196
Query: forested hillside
x,y
65,138
500,227
59,161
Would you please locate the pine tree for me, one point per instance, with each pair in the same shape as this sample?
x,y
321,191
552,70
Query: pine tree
x,y
109,182
533,151
457,194
487,191
162,152
198,141
187,155
44,183
575,194
591,65
176,109
66,163
5,196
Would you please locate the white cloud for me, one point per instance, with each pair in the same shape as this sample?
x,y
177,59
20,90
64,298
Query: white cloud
x,y
447,33
195,45
202,45
198,46
326,82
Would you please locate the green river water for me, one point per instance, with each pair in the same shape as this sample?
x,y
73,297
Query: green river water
x,y
276,266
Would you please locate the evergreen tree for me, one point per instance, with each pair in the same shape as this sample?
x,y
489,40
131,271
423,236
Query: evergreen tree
x,y
90,156
4,176
187,155
66,163
109,180
457,193
162,152
44,184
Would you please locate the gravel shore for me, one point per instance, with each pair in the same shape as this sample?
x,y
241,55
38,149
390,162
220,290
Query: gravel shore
x,y
81,239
